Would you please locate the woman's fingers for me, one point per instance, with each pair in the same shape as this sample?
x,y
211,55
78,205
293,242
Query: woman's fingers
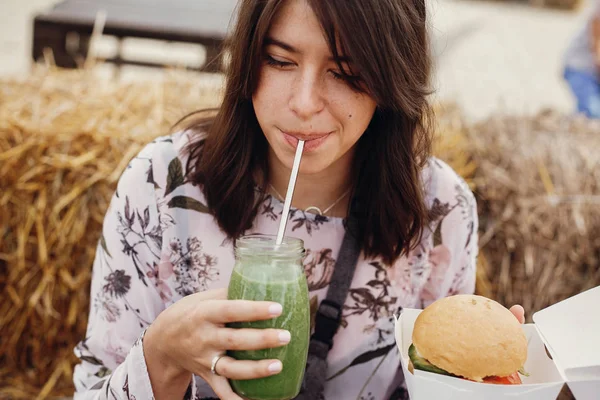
x,y
223,311
222,389
518,312
213,294
241,369
249,339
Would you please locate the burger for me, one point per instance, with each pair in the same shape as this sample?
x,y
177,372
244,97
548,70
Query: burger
x,y
469,337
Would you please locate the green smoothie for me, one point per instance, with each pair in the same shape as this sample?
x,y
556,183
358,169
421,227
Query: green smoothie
x,y
285,284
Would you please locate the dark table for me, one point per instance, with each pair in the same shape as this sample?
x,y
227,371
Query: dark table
x,y
204,22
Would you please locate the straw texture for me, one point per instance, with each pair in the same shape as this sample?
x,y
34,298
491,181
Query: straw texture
x,y
66,136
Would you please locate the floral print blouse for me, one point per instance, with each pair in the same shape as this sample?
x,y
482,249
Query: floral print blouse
x,y
159,244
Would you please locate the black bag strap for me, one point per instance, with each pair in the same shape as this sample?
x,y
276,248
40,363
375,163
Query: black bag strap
x,y
329,313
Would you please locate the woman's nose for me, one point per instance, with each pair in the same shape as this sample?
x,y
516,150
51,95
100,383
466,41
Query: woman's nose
x,y
306,98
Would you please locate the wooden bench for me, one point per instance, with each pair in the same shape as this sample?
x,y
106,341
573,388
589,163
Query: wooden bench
x,y
203,22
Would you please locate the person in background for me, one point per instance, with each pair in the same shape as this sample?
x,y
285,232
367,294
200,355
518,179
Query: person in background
x,y
582,65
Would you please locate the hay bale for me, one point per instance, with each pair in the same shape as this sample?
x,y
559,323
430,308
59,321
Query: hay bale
x,y
65,138
538,188
451,142
537,182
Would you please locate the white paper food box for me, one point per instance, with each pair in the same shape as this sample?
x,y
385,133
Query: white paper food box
x,y
571,331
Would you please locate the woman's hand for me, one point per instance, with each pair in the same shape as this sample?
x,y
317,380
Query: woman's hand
x,y
186,337
519,312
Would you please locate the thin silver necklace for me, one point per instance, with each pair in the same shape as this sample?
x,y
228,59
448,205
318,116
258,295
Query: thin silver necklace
x,y
315,208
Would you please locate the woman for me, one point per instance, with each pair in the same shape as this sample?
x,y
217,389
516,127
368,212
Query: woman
x,y
350,77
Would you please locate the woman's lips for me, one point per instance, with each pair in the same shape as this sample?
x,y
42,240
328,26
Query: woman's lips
x,y
309,143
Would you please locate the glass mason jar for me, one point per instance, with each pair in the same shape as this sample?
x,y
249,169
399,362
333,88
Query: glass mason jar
x,y
264,271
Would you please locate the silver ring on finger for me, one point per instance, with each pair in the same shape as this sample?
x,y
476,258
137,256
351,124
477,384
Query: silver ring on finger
x,y
213,364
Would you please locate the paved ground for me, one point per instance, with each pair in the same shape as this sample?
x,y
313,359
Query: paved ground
x,y
490,55
494,55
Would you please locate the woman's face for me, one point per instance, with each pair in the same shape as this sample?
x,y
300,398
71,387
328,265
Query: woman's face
x,y
301,95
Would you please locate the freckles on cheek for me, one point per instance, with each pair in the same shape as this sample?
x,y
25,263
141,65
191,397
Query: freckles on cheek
x,y
270,95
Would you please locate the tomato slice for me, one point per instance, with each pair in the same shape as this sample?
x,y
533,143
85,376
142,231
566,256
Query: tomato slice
x,y
513,379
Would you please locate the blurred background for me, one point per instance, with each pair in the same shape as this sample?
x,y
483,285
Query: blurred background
x,y
490,55
110,75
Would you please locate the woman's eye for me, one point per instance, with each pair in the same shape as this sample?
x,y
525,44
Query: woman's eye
x,y
338,76
346,78
277,63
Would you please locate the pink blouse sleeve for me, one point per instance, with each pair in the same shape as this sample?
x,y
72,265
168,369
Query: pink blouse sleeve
x,y
453,237
125,295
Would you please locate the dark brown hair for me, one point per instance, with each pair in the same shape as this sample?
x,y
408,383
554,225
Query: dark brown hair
x,y
388,44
